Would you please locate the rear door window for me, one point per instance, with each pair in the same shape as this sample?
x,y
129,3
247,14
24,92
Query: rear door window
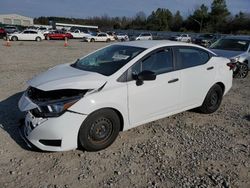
x,y
190,57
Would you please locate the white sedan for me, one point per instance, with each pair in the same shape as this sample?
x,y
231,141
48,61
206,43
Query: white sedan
x,y
144,36
77,34
122,37
182,38
88,102
100,37
27,35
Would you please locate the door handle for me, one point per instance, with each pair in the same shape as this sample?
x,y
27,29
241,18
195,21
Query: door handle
x,y
172,81
210,68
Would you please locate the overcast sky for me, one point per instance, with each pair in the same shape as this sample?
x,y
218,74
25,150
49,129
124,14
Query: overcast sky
x,y
87,8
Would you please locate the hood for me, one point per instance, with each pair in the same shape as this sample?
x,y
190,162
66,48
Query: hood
x,y
226,53
67,77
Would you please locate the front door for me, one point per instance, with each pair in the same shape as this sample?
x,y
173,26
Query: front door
x,y
154,98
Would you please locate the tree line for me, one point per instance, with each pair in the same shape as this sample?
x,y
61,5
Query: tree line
x,y
217,19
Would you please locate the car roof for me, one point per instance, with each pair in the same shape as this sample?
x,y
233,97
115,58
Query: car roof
x,y
153,43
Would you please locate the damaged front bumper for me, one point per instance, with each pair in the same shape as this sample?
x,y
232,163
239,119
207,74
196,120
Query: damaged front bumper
x,y
52,134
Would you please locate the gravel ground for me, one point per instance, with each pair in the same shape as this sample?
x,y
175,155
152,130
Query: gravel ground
x,y
184,150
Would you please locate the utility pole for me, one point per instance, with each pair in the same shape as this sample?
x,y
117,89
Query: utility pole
x,y
199,22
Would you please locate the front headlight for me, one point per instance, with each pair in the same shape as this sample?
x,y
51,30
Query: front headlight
x,y
54,109
235,59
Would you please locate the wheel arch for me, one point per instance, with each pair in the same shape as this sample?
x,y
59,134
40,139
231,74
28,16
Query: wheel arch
x,y
246,61
14,36
116,111
222,85
111,108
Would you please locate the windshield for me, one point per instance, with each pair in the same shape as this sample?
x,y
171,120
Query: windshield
x,y
108,60
231,44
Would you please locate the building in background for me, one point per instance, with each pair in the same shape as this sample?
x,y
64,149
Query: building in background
x,y
15,19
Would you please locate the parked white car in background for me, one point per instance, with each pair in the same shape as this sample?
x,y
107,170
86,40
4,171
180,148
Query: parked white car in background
x,y
100,37
144,36
122,37
27,35
119,87
77,34
182,38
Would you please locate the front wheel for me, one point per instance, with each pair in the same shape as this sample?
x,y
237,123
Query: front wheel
x,y
38,39
99,130
92,40
213,100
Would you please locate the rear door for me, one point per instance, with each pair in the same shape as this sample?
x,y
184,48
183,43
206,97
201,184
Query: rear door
x,y
154,98
197,74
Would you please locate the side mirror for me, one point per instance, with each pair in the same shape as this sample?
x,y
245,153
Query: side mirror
x,y
145,76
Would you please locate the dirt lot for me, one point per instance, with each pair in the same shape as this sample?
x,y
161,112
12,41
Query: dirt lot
x,y
185,150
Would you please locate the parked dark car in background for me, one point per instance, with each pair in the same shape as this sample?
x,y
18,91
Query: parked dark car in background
x,y
11,29
205,39
237,49
2,33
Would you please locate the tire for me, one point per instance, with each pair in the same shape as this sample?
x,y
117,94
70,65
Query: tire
x,y
213,100
38,39
108,40
99,130
242,71
14,38
92,40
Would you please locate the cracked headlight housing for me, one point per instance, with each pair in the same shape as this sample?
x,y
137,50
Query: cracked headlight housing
x,y
53,103
54,109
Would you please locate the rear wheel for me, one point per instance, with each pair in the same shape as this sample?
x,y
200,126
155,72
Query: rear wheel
x,y
14,38
213,100
99,130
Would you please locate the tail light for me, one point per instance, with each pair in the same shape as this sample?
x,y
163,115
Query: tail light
x,y
231,65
